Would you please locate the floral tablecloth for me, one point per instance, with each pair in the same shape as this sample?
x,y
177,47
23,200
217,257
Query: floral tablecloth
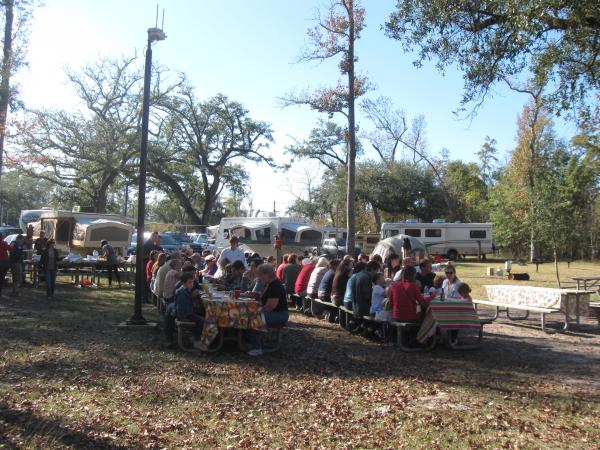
x,y
540,297
242,314
448,315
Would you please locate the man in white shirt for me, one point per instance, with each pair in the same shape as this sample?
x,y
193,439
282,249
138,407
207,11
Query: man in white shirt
x,y
233,253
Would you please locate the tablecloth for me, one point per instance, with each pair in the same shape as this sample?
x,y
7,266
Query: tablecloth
x,y
242,314
539,297
448,315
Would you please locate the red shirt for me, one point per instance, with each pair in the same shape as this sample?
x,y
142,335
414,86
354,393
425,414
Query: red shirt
x,y
304,278
279,272
149,271
4,249
404,297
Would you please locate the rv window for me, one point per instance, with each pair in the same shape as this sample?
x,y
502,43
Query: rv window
x,y
414,232
311,236
477,234
433,233
263,234
287,236
372,240
390,233
226,234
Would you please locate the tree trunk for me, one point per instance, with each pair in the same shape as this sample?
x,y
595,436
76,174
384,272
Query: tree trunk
x,y
176,190
532,247
5,84
554,250
350,192
377,216
210,197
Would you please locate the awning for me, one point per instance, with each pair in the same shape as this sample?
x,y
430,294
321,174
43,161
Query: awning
x,y
252,226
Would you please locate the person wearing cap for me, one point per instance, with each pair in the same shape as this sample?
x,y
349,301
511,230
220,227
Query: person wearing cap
x,y
112,263
234,252
211,266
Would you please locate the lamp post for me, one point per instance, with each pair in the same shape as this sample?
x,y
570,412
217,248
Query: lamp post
x,y
154,35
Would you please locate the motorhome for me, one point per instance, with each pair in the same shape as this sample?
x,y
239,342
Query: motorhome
x,y
367,241
81,233
452,240
257,234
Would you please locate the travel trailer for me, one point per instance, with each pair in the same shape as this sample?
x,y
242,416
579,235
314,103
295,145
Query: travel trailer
x,y
81,233
367,241
452,240
257,234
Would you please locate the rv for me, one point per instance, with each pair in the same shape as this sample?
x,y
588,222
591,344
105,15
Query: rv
x,y
257,234
447,239
81,233
367,241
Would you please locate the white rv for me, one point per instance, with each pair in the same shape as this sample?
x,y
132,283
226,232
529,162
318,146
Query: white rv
x,y
447,239
257,234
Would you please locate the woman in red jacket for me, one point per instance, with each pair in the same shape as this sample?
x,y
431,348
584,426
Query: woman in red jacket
x,y
408,304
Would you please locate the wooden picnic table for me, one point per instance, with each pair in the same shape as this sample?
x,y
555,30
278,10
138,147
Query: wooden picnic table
x,y
592,280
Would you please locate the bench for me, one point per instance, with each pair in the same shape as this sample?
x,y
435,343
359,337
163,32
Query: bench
x,y
345,315
453,338
272,338
503,307
185,329
317,306
402,330
595,310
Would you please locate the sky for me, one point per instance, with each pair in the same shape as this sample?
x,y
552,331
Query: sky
x,y
248,50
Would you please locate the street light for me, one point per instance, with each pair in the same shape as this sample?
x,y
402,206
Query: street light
x,y
154,35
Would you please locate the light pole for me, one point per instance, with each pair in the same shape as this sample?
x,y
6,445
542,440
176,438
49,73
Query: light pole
x,y
154,35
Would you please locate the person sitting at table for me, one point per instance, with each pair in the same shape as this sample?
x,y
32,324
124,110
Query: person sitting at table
x,y
274,303
250,276
408,304
161,274
361,289
436,289
210,268
378,258
340,281
271,260
326,285
279,270
301,286
234,279
357,268
221,272
363,258
153,255
425,276
378,295
171,279
290,273
464,290
316,276
393,266
184,305
451,284
409,261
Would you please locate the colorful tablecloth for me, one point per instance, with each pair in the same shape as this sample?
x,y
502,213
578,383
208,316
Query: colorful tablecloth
x,y
448,315
540,297
242,314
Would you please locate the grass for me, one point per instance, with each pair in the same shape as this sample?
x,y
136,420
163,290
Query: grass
x,y
69,378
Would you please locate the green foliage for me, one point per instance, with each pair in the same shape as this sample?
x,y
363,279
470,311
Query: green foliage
x,y
467,189
557,40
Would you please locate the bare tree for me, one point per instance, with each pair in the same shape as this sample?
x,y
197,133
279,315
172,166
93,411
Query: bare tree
x,y
335,35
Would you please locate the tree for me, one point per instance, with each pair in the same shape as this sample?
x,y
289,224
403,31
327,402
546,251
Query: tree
x,y
488,160
201,146
326,144
12,60
464,184
335,35
492,41
89,150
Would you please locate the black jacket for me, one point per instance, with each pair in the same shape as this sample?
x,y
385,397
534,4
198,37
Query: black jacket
x,y
44,258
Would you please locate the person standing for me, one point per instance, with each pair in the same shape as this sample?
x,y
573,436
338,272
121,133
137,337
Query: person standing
x,y
153,243
234,252
17,256
39,244
4,261
49,264
112,263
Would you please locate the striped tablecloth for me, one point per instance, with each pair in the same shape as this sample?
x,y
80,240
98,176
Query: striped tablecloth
x,y
448,315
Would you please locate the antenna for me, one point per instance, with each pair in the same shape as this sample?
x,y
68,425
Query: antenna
x,y
162,25
156,26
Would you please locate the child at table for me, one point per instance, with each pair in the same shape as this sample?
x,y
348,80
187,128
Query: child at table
x,y
464,290
438,282
184,305
378,295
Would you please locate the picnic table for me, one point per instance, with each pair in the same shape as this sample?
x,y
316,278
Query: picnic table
x,y
449,315
592,280
223,312
78,269
570,302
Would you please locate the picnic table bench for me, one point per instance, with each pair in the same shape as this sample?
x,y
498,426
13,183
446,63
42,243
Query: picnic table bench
x,y
536,299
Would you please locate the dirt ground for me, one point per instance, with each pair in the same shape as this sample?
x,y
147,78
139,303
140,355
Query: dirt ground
x,y
70,378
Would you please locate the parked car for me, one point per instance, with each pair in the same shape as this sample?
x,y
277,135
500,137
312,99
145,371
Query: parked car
x,y
11,238
167,242
201,239
186,242
7,230
336,247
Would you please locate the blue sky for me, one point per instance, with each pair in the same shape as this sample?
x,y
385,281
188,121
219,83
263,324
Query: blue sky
x,y
247,49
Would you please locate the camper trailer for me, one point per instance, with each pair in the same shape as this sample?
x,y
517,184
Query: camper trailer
x,y
257,234
81,233
402,245
447,239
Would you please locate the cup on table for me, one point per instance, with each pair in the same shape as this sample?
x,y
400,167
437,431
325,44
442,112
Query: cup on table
x,y
237,293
